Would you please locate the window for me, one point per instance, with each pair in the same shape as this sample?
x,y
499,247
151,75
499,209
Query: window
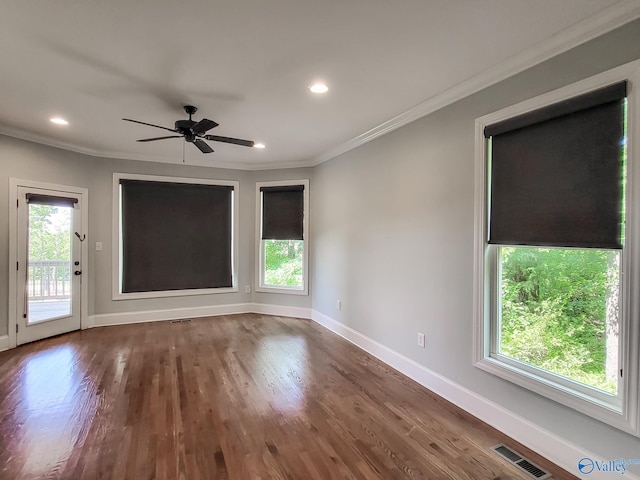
x,y
282,236
554,229
174,236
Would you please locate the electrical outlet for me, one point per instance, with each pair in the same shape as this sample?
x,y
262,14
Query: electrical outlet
x,y
338,304
421,340
247,289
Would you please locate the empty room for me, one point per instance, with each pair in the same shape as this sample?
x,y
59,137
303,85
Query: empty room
x,y
284,239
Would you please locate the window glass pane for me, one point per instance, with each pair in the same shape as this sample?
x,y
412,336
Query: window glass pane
x,y
283,265
49,275
560,312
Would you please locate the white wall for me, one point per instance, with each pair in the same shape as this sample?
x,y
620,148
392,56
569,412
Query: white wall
x,y
393,239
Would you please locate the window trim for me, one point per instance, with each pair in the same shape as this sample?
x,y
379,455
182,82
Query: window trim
x,y
259,250
626,416
116,256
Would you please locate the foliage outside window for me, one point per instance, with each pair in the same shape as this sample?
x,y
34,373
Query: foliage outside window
x,y
50,235
283,263
559,312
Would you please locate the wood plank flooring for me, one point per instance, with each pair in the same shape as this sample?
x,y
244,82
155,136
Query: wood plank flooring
x,y
234,397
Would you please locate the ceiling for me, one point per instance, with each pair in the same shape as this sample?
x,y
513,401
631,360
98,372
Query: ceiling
x,y
247,64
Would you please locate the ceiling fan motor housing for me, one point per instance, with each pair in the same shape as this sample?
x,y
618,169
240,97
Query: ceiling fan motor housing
x,y
184,126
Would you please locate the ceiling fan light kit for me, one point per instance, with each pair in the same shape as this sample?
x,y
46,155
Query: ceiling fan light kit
x,y
193,132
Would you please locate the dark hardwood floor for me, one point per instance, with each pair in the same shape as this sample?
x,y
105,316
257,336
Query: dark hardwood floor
x,y
233,397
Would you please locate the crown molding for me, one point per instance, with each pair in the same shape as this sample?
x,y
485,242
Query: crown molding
x,y
613,17
48,141
51,142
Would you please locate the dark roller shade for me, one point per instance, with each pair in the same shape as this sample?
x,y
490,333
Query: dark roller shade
x,y
175,236
558,182
282,212
51,200
604,95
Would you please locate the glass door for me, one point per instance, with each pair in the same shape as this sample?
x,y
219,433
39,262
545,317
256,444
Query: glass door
x,y
49,269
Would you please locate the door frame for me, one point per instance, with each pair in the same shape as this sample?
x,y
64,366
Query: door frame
x,y
83,193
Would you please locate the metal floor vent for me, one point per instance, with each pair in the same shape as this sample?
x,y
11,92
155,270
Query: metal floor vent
x,y
522,463
185,320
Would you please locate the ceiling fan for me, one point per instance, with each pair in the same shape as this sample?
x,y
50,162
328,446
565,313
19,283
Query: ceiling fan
x,y
193,132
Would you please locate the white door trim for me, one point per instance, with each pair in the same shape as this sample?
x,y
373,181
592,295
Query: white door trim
x,y
14,183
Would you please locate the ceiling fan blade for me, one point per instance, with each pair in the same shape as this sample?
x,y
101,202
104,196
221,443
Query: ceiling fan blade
x,y
149,124
204,148
235,141
203,125
158,138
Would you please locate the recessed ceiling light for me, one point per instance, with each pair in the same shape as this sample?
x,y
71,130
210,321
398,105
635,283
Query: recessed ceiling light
x,y
319,88
259,145
59,121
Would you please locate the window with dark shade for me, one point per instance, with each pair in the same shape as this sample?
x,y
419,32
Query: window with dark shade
x,y
555,276
175,236
282,255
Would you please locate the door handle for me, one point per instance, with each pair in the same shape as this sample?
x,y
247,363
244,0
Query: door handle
x,y
78,272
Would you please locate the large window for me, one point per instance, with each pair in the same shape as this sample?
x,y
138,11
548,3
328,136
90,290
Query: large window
x,y
554,226
174,236
282,236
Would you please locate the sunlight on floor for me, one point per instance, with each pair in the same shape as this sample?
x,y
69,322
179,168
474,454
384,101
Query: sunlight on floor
x,y
59,402
284,358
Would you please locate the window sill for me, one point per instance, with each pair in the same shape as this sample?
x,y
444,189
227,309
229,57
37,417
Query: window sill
x,y
285,290
610,412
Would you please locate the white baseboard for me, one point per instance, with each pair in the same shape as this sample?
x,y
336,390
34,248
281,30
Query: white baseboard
x,y
4,343
281,311
102,320
550,446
